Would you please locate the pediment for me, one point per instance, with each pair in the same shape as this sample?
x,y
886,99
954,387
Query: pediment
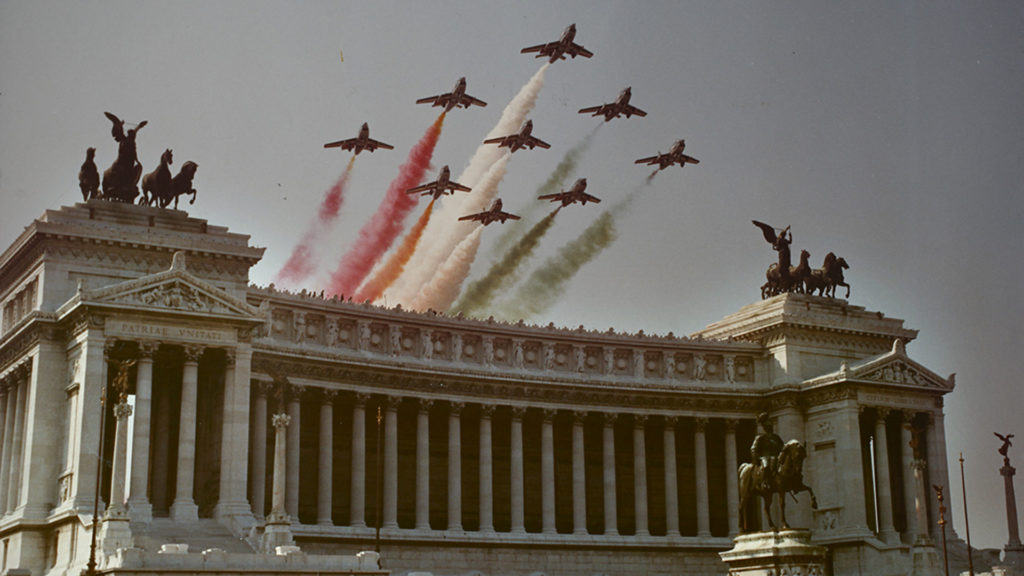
x,y
893,368
175,289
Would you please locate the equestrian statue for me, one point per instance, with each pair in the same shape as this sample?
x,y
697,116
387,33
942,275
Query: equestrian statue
x,y
775,468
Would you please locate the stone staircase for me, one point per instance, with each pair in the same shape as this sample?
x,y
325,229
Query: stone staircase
x,y
202,535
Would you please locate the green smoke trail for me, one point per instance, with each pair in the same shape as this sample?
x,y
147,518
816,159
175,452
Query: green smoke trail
x,y
554,183
480,293
547,283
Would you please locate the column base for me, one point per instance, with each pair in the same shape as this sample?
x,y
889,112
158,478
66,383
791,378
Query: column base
x,y
115,533
775,552
184,510
140,511
236,515
890,537
278,532
927,561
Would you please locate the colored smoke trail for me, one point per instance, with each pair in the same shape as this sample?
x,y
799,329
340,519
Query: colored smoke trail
x,y
394,265
441,291
480,293
449,279
440,239
547,283
302,262
554,184
377,235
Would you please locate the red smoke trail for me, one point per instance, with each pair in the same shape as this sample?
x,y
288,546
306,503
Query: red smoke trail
x,y
394,265
302,261
377,235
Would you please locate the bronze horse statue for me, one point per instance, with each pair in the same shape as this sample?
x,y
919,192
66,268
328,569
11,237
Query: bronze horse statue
x,y
834,277
157,184
181,184
787,477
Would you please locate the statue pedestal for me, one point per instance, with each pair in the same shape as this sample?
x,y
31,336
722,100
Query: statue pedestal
x,y
278,532
777,552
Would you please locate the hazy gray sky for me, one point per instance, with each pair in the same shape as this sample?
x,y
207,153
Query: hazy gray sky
x,y
887,132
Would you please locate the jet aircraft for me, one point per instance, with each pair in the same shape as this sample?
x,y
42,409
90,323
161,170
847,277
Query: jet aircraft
x,y
615,109
492,214
520,139
443,185
453,99
572,195
360,143
560,48
674,156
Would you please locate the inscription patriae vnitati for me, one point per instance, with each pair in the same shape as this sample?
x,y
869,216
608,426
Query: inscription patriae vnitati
x,y
135,329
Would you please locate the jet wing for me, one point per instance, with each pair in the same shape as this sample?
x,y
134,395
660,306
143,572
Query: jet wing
x,y
651,160
439,100
422,188
596,110
633,110
506,216
557,196
575,49
346,144
479,216
534,141
584,198
468,101
456,187
541,49
502,140
688,160
372,145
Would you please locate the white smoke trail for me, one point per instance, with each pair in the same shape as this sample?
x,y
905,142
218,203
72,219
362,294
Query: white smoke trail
x,y
440,238
440,292
450,278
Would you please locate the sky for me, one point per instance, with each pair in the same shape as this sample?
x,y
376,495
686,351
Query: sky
x,y
886,132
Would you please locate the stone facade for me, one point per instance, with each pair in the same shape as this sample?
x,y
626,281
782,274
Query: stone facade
x,y
264,418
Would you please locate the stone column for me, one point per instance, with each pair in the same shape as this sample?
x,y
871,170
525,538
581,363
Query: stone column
x,y
611,518
294,454
579,480
357,513
8,447
423,465
886,531
907,463
17,445
938,468
277,531
455,467
701,457
853,520
258,463
640,474
184,508
921,503
517,510
232,507
732,492
547,472
390,500
5,440
140,509
671,482
1013,545
486,471
325,459
122,410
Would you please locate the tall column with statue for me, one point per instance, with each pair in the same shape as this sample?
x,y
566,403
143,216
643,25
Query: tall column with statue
x,y
1013,552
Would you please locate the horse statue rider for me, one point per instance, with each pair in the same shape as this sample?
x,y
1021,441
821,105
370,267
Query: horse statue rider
x,y
776,467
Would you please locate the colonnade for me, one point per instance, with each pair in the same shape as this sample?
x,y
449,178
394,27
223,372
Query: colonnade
x,y
652,439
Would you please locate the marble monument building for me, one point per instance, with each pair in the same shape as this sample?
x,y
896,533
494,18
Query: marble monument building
x,y
240,418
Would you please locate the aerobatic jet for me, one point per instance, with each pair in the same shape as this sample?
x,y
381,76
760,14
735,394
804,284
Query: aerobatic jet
x,y
493,214
457,97
520,139
572,195
360,143
560,48
674,156
443,185
615,109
